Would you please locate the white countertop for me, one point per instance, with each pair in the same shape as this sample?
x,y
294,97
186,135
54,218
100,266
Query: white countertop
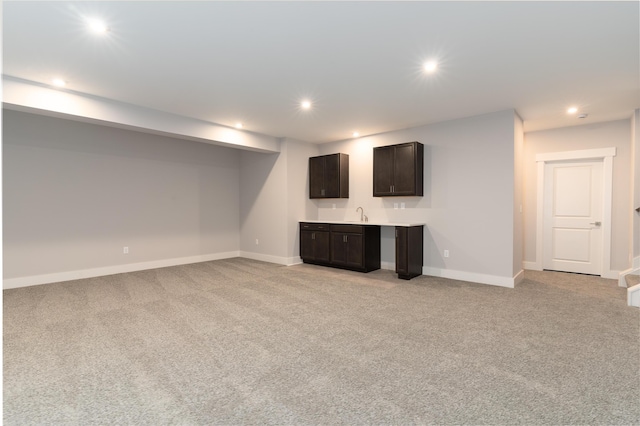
x,y
371,222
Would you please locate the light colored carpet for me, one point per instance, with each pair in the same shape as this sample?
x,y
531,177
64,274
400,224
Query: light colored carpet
x,y
238,341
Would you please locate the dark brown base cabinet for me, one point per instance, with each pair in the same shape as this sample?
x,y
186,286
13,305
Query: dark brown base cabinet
x,y
354,247
314,243
409,247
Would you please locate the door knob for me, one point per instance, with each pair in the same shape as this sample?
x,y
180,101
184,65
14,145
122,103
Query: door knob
x,y
596,223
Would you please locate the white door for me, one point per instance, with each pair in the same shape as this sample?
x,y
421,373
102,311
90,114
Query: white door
x,y
573,210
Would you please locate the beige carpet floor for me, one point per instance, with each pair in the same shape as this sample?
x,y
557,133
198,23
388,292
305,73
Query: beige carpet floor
x,y
239,341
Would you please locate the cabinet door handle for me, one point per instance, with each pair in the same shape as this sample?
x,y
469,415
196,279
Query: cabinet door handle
x,y
313,235
322,192
396,233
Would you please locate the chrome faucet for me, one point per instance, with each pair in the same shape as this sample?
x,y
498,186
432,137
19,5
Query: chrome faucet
x,y
361,213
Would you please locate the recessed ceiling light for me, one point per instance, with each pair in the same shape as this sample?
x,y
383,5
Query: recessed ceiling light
x,y
98,26
430,66
305,104
355,134
59,82
239,125
572,110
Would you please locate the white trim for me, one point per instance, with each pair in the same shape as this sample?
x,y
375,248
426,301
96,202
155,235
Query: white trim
x,y
607,199
111,270
540,217
576,155
531,266
622,282
388,266
611,274
606,154
633,296
288,261
296,260
636,263
474,277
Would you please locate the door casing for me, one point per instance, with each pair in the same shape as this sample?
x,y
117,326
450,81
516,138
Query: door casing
x,y
604,154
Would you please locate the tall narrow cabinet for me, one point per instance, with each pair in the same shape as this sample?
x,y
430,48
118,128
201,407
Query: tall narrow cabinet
x,y
409,251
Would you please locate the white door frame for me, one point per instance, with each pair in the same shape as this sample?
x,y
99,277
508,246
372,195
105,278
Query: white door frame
x,y
604,154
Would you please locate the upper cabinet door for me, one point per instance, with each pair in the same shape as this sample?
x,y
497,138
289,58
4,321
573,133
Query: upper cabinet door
x,y
404,177
383,171
329,176
398,170
316,177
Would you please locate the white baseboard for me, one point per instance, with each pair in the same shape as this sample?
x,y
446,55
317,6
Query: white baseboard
x,y
388,266
518,278
474,277
9,283
611,274
288,261
531,266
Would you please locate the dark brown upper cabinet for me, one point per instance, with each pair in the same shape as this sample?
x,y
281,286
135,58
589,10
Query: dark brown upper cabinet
x,y
398,170
329,176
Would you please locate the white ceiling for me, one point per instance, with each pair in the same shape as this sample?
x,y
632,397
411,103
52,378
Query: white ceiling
x,y
359,62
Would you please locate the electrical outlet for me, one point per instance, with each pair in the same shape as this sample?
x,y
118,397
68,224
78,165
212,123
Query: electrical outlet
x,y
257,241
333,206
401,206
446,253
395,206
125,250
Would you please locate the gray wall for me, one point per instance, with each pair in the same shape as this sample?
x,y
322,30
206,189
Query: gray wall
x,y
299,206
263,205
589,136
274,197
469,195
75,193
